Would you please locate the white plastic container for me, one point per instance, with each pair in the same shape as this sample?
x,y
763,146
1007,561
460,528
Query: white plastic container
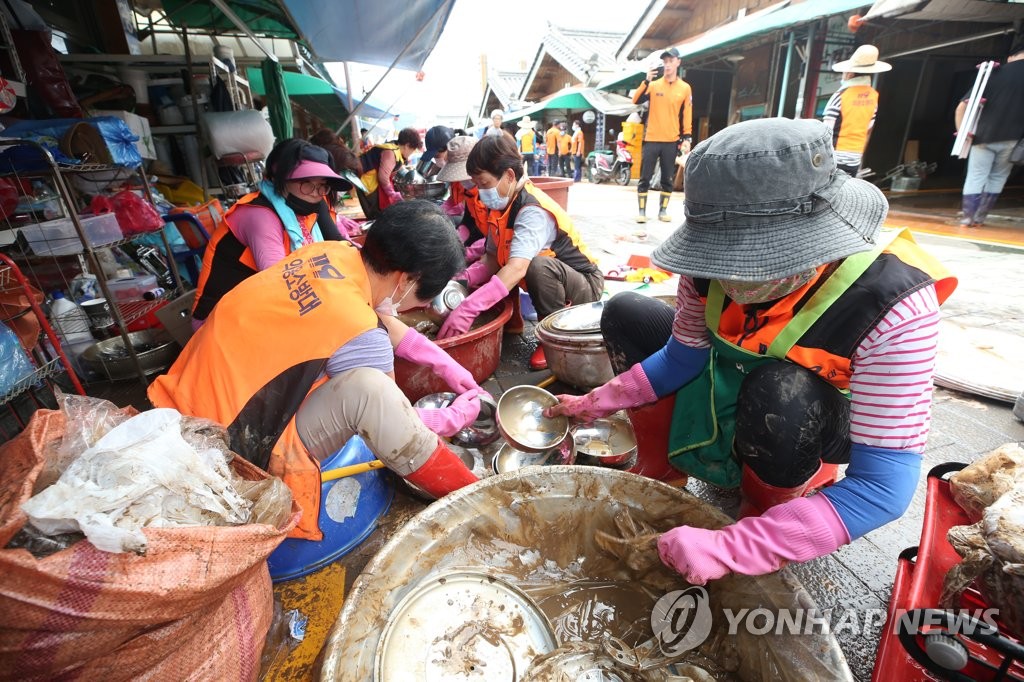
x,y
69,321
59,238
131,288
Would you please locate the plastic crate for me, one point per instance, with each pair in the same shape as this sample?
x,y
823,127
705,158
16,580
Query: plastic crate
x,y
59,238
918,585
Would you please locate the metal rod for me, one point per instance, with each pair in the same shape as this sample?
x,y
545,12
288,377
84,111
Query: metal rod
x,y
773,76
950,43
428,22
195,117
785,76
357,141
801,90
913,108
234,19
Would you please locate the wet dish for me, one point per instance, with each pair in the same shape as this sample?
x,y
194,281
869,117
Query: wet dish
x,y
507,458
608,442
522,422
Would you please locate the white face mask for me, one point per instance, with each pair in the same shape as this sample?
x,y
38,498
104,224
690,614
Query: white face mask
x,y
762,292
492,198
388,306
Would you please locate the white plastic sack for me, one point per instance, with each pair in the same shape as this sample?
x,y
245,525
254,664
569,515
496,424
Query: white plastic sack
x,y
142,473
238,132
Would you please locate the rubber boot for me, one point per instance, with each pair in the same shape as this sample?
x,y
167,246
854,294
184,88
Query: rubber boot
x,y
651,424
641,198
663,207
538,361
758,496
970,207
515,324
984,206
442,473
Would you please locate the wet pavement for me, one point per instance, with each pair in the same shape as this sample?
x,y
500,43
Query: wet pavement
x,y
989,263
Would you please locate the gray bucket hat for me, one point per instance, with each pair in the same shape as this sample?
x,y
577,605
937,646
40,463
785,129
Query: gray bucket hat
x,y
764,200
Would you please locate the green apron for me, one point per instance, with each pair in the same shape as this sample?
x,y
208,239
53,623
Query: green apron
x,y
704,419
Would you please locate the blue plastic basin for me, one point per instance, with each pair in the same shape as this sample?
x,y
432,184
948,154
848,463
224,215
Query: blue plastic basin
x,y
295,557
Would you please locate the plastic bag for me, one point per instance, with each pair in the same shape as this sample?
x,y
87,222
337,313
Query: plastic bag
x,y
14,362
88,420
134,214
238,132
983,482
142,473
287,630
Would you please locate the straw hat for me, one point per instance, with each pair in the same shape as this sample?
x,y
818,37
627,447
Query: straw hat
x,y
864,60
526,122
764,201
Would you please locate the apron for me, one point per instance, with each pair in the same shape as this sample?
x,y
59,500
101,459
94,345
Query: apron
x,y
704,420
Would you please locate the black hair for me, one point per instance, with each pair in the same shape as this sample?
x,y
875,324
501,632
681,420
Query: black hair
x,y
287,155
495,154
410,138
344,158
415,237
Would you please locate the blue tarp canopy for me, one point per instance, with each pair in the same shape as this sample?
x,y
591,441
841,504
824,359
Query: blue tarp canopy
x,y
371,31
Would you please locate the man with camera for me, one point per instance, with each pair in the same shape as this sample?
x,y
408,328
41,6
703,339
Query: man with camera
x,y
668,130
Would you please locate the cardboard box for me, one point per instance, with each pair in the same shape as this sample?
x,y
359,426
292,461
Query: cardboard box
x,y
139,126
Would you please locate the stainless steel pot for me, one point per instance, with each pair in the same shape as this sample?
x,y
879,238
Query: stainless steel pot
x,y
574,346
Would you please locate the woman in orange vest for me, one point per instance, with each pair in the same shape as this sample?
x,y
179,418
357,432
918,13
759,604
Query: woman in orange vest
x,y
851,110
298,358
531,241
288,211
474,217
380,165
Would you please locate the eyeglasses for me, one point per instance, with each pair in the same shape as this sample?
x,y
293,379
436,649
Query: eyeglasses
x,y
317,188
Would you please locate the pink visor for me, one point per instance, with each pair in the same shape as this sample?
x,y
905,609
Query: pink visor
x,y
315,169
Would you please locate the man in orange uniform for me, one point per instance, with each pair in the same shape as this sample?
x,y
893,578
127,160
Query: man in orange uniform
x,y
565,150
577,151
669,129
850,112
551,144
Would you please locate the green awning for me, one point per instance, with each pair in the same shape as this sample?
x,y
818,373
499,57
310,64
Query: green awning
x,y
753,24
263,17
579,99
315,95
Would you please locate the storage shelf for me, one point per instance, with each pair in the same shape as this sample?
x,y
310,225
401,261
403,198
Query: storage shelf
x,y
174,130
136,310
48,370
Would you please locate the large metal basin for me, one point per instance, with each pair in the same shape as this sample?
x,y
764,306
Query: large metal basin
x,y
578,358
478,350
547,517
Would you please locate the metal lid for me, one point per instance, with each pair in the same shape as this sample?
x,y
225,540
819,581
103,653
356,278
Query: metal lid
x,y
463,625
578,319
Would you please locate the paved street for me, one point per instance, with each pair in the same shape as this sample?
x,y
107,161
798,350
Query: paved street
x,y
964,427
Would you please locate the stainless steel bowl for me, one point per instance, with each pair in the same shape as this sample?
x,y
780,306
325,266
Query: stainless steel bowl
x,y
484,429
448,300
608,442
522,422
507,458
421,190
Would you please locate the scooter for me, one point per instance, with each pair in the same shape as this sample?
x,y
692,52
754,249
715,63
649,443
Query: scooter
x,y
601,166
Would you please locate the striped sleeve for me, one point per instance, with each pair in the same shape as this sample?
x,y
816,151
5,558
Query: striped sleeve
x,y
689,327
891,386
833,109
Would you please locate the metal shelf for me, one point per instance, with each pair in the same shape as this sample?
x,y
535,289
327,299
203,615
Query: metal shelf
x,y
136,310
51,368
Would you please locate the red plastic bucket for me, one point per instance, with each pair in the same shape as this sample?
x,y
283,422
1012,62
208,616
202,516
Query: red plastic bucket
x,y
478,350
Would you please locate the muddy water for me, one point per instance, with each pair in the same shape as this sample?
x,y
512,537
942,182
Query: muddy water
x,y
539,529
426,323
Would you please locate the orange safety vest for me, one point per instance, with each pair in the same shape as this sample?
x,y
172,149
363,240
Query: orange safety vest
x,y
564,142
526,141
857,106
227,261
552,140
827,347
670,113
568,247
263,350
577,143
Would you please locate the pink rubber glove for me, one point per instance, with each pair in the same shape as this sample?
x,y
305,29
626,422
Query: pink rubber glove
x,y
799,530
475,275
476,250
447,421
348,228
629,389
461,319
418,349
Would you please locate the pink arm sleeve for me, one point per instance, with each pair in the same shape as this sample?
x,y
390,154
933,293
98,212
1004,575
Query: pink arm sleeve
x,y
388,162
260,229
